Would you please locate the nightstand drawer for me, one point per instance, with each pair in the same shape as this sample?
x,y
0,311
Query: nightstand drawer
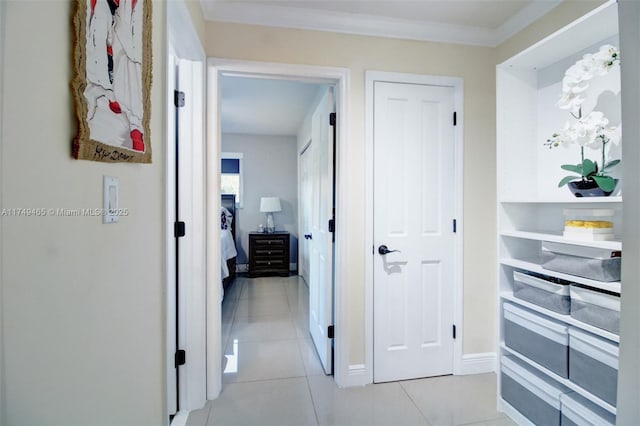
x,y
269,242
269,252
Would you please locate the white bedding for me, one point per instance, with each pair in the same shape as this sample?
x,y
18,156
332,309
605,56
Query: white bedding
x,y
227,244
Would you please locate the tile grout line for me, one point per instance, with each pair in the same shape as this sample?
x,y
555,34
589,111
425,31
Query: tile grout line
x,y
313,402
424,416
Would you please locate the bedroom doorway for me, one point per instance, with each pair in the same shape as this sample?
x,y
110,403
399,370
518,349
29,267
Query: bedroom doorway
x,y
217,70
265,123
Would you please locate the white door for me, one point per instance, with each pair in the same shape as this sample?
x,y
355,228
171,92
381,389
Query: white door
x,y
305,211
413,214
321,246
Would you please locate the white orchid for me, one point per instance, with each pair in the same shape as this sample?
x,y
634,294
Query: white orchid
x,y
576,78
592,130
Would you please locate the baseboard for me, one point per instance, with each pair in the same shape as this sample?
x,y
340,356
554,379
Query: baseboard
x,y
478,363
180,419
244,267
357,376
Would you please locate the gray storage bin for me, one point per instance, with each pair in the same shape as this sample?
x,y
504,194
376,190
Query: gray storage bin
x,y
554,296
587,262
578,411
593,364
534,395
596,308
540,339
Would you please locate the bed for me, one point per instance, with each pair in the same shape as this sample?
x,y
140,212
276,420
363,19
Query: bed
x,y
228,222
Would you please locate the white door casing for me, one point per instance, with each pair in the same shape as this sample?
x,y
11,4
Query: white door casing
x,y
320,244
341,78
414,209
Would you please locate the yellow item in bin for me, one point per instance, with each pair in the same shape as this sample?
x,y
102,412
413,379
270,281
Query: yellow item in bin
x,y
588,224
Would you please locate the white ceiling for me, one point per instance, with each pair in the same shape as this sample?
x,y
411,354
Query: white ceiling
x,y
258,106
477,22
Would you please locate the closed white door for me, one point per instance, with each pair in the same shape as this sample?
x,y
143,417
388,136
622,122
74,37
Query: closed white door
x,y
413,218
320,242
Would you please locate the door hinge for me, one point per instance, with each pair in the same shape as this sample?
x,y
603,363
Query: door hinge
x,y
330,332
180,357
332,119
179,229
455,226
455,118
178,99
454,331
332,225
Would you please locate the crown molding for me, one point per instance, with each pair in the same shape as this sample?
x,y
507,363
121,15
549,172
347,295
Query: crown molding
x,y
369,25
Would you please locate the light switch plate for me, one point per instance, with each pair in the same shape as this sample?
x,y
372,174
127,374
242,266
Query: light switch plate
x,y
111,199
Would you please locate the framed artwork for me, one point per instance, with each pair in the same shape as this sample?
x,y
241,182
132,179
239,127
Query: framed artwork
x,y
112,80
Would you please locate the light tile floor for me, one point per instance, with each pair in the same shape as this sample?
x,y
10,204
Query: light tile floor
x,y
272,375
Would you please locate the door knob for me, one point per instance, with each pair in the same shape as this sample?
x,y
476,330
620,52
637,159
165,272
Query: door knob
x,y
385,250
308,236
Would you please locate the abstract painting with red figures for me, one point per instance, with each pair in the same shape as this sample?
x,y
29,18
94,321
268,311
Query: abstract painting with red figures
x,y
112,80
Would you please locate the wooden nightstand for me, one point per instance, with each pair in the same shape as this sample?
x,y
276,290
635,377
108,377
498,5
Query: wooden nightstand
x,y
268,254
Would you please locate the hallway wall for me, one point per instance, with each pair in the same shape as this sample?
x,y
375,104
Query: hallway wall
x,y
83,302
360,53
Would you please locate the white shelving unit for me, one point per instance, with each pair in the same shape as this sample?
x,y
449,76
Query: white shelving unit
x,y
530,205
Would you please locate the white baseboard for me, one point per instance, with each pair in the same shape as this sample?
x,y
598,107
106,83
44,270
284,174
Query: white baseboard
x,y
244,267
357,376
478,363
180,419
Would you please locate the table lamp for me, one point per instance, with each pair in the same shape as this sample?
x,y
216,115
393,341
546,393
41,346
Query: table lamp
x,y
269,205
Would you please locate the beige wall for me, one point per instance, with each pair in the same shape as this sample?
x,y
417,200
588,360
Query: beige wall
x,y
359,53
197,17
83,302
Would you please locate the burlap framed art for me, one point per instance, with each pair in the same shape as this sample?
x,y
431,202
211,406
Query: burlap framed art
x,y
112,80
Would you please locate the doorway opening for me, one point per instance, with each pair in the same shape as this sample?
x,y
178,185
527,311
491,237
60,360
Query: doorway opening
x,y
219,72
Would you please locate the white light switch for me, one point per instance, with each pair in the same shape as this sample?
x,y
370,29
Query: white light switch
x,y
111,200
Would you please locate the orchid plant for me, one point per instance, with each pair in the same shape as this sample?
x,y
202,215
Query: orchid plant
x,y
591,130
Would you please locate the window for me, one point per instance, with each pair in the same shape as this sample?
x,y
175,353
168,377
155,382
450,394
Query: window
x,y
231,175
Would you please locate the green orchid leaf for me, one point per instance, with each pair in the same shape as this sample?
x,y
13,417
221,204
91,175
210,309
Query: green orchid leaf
x,y
610,164
589,168
606,183
566,180
570,167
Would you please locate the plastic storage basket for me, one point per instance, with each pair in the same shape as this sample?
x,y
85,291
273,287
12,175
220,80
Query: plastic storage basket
x,y
535,396
593,364
554,296
540,339
587,262
596,308
578,411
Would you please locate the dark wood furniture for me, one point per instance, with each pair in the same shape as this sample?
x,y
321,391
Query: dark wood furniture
x,y
228,201
268,254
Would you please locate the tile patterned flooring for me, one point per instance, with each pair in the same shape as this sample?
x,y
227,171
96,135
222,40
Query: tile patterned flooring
x,y
272,375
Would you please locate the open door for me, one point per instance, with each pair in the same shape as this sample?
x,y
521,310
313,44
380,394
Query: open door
x,y
320,237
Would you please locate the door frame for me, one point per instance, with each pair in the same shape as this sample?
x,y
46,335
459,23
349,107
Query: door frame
x,y
183,43
216,67
458,84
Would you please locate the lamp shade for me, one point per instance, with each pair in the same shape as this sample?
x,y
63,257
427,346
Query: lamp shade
x,y
270,204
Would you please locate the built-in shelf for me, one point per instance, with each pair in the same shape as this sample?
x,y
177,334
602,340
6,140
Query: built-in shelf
x,y
533,266
584,200
566,382
557,238
531,207
568,319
